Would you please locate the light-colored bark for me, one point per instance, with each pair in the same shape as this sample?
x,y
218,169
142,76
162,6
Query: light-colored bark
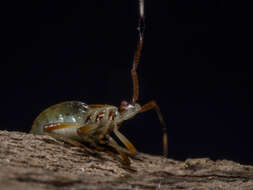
x,y
34,162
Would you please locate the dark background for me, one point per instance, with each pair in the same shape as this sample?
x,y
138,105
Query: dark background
x,y
195,64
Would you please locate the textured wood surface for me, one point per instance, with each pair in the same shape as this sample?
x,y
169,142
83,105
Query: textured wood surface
x,y
39,162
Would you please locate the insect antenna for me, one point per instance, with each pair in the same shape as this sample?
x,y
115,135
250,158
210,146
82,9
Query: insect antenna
x,y
141,27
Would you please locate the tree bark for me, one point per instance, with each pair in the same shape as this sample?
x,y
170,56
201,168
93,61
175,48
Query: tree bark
x,y
35,162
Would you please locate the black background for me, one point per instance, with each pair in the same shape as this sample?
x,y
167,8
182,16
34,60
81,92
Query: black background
x,y
195,64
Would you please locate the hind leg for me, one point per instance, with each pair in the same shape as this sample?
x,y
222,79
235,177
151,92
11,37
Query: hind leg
x,y
61,131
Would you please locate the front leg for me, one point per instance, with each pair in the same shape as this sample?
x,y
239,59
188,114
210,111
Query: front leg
x,y
106,130
125,141
153,105
112,143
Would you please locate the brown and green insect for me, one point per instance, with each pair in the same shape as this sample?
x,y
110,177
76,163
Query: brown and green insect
x,y
77,123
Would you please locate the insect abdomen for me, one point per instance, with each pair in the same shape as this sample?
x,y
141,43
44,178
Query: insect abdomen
x,y
65,112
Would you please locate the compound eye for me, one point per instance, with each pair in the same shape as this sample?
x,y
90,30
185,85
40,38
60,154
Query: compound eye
x,y
124,103
123,106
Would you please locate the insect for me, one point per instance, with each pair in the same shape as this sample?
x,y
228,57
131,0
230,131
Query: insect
x,y
77,123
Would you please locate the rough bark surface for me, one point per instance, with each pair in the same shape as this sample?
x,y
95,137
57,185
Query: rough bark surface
x,y
34,162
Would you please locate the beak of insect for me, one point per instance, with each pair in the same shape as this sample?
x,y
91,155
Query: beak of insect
x,y
128,110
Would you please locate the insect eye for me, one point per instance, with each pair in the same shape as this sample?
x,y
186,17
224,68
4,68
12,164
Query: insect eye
x,y
123,106
124,103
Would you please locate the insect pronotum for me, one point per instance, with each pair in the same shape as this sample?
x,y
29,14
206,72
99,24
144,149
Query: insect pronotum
x,y
77,123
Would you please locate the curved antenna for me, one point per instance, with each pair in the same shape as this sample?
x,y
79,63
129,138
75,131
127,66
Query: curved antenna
x,y
141,27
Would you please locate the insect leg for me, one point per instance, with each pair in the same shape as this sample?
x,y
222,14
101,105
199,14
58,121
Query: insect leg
x,y
125,141
53,127
152,105
94,140
118,148
85,132
85,129
105,129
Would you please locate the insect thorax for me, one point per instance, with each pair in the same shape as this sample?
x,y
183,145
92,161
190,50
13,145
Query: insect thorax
x,y
101,113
